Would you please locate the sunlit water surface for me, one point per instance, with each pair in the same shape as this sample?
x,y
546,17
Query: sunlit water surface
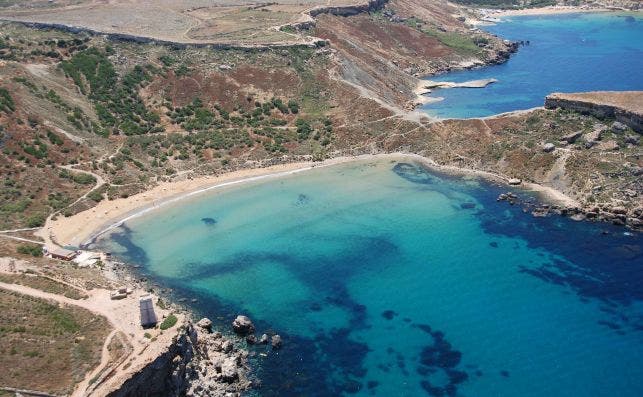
x,y
386,279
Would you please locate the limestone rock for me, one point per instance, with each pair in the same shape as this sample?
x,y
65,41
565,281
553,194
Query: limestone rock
x,y
571,138
275,341
242,325
618,127
548,147
608,145
514,181
229,369
227,346
264,339
205,323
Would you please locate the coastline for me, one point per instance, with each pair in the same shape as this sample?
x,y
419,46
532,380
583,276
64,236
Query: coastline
x,y
84,227
549,10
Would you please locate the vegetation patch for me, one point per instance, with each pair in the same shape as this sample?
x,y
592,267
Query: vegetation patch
x,y
6,101
46,347
118,105
169,322
30,249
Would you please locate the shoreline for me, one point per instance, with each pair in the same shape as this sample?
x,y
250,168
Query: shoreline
x,y
84,227
548,10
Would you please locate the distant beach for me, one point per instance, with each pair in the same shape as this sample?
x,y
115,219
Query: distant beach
x,y
85,226
550,10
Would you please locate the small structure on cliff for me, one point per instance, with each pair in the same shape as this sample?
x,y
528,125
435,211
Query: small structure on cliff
x,y
148,316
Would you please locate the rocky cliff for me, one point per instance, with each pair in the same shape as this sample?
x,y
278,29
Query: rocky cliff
x,y
198,363
625,107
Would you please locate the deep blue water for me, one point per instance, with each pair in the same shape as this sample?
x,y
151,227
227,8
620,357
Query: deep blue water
x,y
567,53
386,279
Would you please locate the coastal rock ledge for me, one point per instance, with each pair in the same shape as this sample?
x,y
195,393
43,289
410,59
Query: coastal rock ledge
x,y
624,106
199,362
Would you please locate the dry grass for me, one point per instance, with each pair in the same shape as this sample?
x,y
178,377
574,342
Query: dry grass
x,y
186,21
46,347
43,284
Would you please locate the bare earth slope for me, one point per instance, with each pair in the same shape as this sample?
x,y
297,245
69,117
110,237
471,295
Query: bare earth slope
x,y
191,21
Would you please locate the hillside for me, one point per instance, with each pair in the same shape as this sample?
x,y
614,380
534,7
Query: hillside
x,y
175,93
86,119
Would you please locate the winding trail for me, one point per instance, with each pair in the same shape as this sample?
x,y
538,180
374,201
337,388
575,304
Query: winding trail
x,y
123,317
82,387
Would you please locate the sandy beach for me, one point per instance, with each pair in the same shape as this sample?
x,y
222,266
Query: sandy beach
x,y
550,10
84,226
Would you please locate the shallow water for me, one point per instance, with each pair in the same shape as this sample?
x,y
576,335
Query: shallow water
x,y
386,279
567,53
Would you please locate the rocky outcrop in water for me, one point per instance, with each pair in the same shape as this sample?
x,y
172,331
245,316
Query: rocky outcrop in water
x,y
242,325
620,216
198,363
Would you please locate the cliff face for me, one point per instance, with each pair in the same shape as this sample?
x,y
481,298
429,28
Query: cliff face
x,y
625,107
345,11
198,363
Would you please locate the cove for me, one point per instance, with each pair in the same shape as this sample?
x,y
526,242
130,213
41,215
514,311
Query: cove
x,y
566,53
385,278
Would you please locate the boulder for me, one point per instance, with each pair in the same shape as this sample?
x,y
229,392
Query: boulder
x,y
571,138
618,127
608,145
229,370
275,341
242,325
205,323
633,140
227,346
619,210
593,136
264,339
548,147
514,181
251,339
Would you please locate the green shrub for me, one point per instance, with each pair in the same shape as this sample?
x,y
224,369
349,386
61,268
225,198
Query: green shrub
x,y
6,101
36,220
55,139
30,249
95,195
169,322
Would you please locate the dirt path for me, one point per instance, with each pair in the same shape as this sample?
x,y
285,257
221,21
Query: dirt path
x,y
81,388
123,316
26,240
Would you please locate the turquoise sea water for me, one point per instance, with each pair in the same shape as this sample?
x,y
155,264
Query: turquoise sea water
x,y
567,53
386,279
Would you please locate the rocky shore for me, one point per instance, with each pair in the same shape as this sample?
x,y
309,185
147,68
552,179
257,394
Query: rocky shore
x,y
615,215
199,362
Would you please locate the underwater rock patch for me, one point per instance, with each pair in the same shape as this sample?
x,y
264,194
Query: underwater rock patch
x,y
440,356
388,314
302,199
209,221
413,173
